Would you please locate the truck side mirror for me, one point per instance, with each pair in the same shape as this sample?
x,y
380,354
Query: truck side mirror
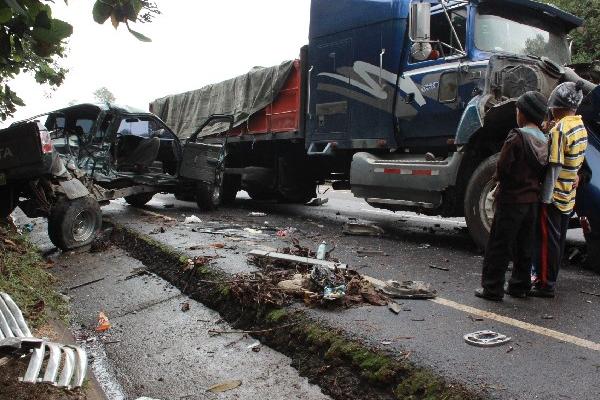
x,y
420,30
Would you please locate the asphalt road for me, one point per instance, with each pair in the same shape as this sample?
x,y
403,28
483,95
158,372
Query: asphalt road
x,y
555,348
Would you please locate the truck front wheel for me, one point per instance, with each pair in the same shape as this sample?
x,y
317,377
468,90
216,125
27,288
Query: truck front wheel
x,y
208,196
479,203
74,223
139,200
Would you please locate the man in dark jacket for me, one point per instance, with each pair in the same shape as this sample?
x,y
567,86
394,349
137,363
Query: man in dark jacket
x,y
519,174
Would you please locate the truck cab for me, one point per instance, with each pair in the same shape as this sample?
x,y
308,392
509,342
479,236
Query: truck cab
x,y
416,97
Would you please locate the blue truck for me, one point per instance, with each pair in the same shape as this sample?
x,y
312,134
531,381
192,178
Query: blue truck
x,y
404,102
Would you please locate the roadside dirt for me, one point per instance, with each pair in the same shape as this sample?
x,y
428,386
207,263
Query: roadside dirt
x,y
343,368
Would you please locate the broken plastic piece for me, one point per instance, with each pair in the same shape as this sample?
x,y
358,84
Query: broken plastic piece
x,y
486,339
103,323
192,220
409,290
317,201
356,229
224,386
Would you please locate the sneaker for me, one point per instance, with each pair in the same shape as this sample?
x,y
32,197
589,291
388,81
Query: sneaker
x,y
484,294
515,293
543,293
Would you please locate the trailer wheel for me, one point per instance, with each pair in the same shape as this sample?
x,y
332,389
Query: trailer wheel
x,y
8,201
479,203
139,200
74,223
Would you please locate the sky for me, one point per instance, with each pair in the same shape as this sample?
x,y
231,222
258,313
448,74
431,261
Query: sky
x,y
194,43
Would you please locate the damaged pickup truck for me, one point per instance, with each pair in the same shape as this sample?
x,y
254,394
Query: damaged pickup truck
x,y
65,164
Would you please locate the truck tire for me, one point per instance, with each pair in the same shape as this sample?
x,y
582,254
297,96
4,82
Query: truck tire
x,y
230,189
479,211
139,200
74,223
8,201
208,196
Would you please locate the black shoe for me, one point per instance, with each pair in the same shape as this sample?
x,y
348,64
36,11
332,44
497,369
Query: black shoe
x,y
516,294
543,293
484,294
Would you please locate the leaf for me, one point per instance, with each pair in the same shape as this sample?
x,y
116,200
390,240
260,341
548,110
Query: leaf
x,y
224,386
58,31
138,35
6,15
102,10
15,6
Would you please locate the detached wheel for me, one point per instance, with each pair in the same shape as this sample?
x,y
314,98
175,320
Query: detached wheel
x,y
74,223
140,199
479,203
8,201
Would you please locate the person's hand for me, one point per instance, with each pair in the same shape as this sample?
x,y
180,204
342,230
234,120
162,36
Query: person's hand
x,y
548,125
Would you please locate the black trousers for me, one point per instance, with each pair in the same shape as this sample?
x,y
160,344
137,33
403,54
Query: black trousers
x,y
551,238
511,239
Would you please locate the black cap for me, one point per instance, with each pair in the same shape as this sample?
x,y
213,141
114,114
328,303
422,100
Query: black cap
x,y
535,107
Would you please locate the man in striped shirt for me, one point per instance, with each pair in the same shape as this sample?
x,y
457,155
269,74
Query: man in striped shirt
x,y
568,142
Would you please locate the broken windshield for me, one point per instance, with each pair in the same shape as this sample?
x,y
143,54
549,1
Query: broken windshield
x,y
512,32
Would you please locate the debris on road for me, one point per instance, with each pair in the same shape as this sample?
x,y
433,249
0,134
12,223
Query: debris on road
x,y
192,220
394,307
357,229
157,215
439,268
156,231
475,319
257,214
317,202
286,232
409,290
486,339
590,293
185,307
103,323
255,347
224,386
547,316
295,259
424,246
510,349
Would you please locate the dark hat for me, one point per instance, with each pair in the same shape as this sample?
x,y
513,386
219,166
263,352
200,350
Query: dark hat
x,y
534,106
567,95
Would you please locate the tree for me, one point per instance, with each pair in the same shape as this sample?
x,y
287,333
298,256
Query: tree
x,y
103,95
586,41
31,40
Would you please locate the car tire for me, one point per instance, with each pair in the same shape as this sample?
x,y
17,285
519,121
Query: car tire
x,y
74,223
8,201
139,200
478,206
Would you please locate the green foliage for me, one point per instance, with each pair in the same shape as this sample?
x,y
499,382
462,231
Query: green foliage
x,y
31,40
103,95
586,41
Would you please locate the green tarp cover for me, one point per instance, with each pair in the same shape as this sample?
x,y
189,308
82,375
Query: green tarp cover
x,y
241,97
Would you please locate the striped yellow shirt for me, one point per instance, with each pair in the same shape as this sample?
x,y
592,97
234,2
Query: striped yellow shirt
x,y
568,142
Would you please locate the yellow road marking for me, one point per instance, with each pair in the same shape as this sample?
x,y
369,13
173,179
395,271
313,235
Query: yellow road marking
x,y
563,337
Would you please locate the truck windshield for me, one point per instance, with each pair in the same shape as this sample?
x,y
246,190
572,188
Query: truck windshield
x,y
496,32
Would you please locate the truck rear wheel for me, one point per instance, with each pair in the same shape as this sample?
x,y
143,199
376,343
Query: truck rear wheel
x,y
479,203
8,201
74,223
139,200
